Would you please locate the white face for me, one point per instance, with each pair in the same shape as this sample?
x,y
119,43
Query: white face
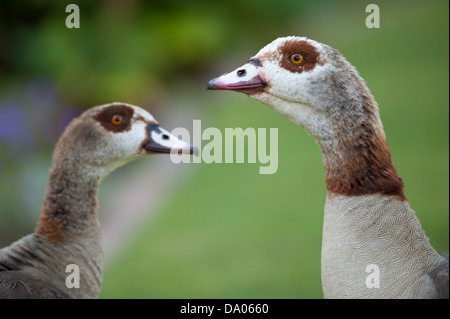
x,y
292,84
113,134
274,71
304,80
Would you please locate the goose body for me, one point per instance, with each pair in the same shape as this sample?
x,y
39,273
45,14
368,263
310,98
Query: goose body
x,y
367,220
68,232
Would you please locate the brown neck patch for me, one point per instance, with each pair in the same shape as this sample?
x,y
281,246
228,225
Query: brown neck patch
x,y
105,117
361,166
50,229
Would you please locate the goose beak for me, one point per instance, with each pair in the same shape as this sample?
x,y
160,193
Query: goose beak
x,y
245,79
161,141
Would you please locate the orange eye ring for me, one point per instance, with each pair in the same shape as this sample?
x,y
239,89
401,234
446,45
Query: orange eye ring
x,y
117,119
296,58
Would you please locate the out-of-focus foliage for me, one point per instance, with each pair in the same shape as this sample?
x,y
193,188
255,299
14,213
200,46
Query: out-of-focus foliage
x,y
129,51
128,48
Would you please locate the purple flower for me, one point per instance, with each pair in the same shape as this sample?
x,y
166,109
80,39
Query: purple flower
x,y
13,124
66,117
40,93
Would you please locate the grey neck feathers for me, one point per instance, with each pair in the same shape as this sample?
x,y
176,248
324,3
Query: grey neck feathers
x,y
357,161
69,209
68,231
356,157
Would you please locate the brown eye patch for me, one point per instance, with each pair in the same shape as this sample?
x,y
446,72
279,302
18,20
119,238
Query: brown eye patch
x,y
292,50
116,118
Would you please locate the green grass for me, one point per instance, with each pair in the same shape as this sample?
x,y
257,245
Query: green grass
x,y
229,232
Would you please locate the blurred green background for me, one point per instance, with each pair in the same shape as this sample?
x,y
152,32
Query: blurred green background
x,y
224,231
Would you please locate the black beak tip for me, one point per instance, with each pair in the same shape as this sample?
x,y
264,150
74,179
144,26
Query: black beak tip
x,y
210,85
194,150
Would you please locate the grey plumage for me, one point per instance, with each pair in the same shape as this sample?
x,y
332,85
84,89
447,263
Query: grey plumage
x,y
17,284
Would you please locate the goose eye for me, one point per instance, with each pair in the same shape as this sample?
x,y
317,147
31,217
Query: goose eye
x,y
296,58
117,119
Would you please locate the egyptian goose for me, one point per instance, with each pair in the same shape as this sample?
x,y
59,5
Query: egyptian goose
x,y
368,221
68,232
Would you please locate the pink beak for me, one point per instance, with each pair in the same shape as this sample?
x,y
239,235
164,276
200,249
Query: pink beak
x,y
246,79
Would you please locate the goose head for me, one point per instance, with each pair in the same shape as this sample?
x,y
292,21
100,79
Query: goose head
x,y
314,86
108,136
309,82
